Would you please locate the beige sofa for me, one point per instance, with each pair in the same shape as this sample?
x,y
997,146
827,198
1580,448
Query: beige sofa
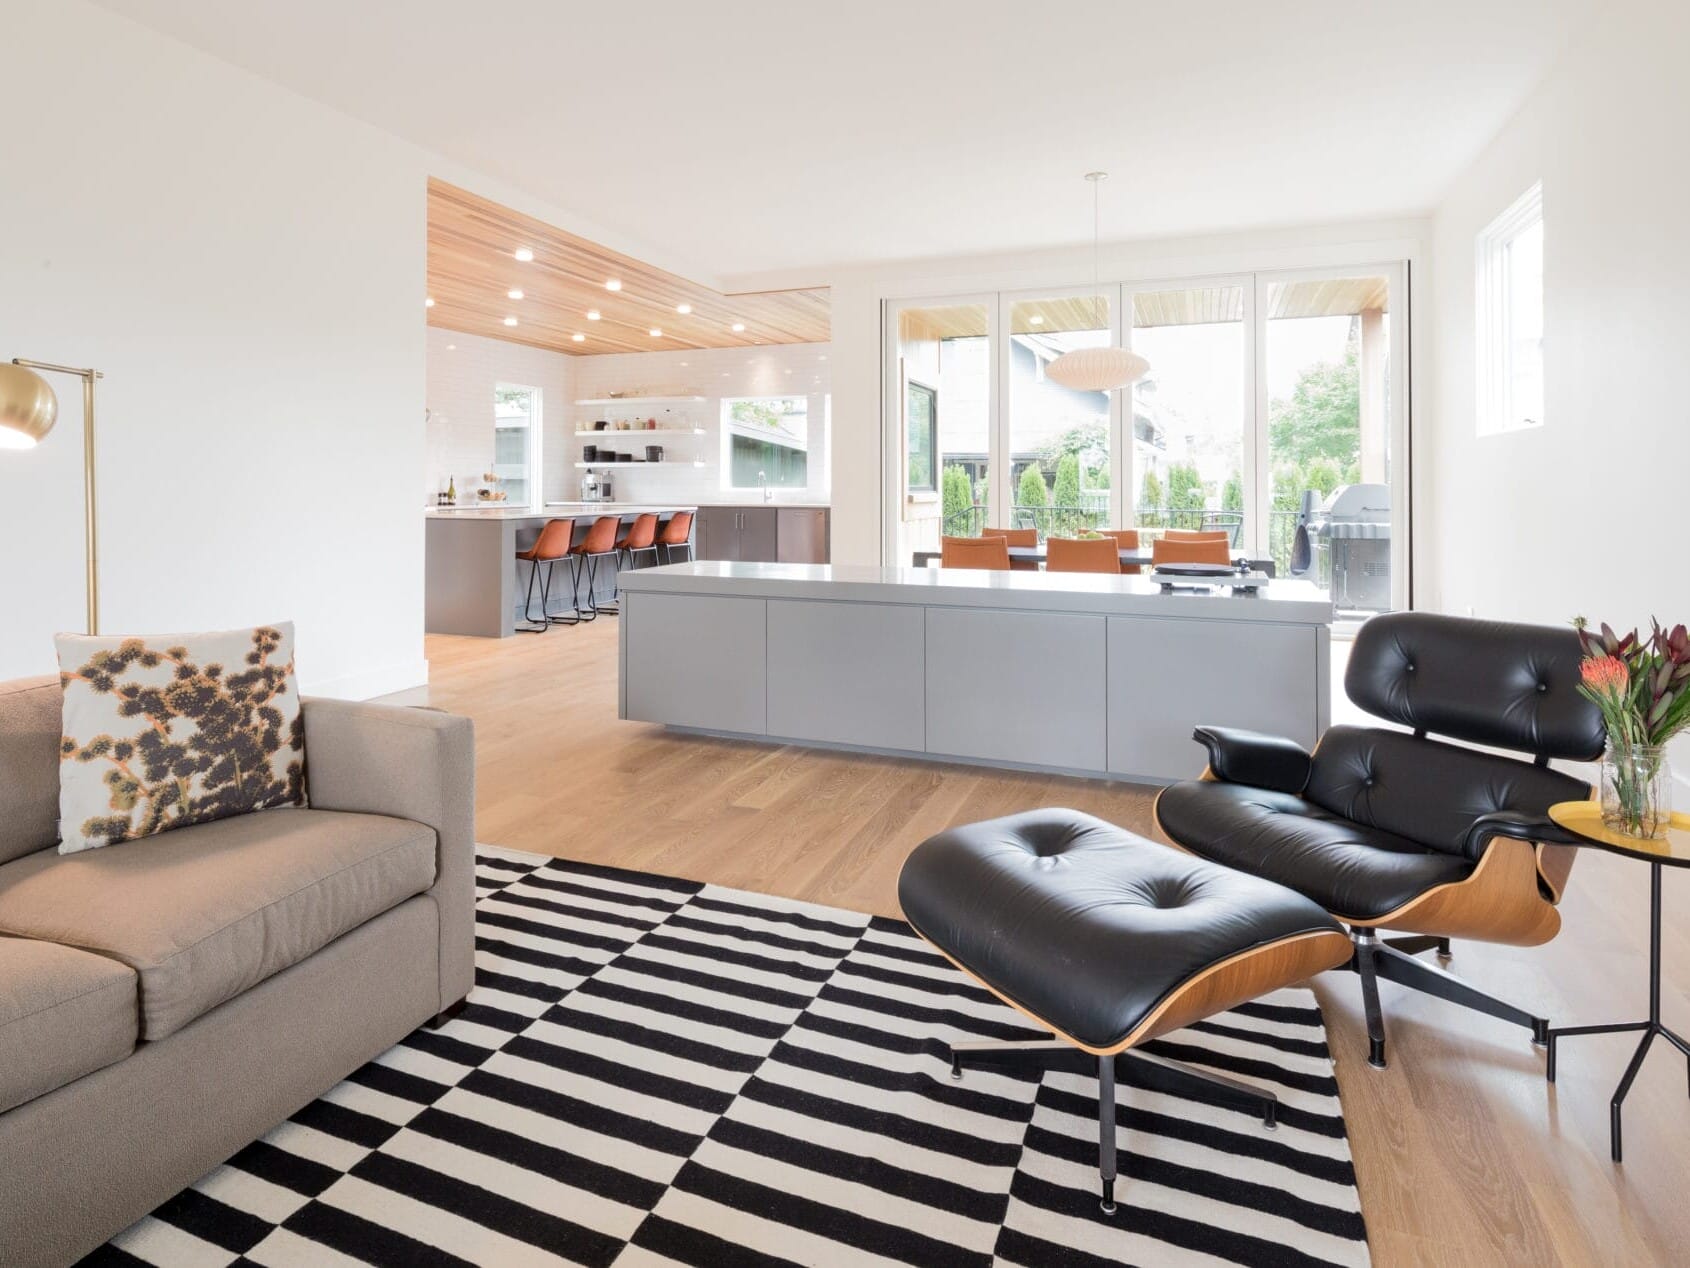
x,y
164,1002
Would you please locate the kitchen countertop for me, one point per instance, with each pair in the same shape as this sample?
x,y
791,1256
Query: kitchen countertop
x,y
1287,601
603,508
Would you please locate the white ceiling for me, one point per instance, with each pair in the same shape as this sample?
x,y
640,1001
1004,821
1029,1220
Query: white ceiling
x,y
763,135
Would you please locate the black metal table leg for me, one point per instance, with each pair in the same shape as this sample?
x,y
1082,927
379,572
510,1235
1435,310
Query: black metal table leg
x,y
1651,1028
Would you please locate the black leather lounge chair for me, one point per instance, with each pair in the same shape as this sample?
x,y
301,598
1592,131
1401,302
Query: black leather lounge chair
x,y
1390,830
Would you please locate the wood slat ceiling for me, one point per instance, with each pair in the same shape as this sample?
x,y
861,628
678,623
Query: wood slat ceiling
x,y
471,269
1188,306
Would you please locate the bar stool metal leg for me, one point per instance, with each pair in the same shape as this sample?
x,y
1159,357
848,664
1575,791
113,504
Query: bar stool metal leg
x,y
574,618
535,624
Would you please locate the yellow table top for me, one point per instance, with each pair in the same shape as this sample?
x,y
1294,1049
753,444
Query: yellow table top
x,y
1585,818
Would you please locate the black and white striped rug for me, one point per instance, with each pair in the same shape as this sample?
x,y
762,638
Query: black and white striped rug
x,y
654,1071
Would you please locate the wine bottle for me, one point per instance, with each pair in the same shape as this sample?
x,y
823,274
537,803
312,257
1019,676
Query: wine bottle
x,y
451,492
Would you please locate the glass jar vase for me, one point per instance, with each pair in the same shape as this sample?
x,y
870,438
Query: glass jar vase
x,y
1636,789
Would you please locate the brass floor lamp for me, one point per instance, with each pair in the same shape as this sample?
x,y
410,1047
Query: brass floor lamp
x,y
28,410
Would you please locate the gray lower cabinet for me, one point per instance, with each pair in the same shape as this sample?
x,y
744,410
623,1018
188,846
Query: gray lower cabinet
x,y
1230,673
762,534
847,673
695,660
1025,687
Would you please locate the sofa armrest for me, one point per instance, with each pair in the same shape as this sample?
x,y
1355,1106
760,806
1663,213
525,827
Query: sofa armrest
x,y
1249,757
415,764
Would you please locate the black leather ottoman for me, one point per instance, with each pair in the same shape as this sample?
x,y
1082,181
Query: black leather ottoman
x,y
1108,939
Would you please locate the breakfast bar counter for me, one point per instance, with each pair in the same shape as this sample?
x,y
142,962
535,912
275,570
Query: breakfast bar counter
x,y
1082,673
472,584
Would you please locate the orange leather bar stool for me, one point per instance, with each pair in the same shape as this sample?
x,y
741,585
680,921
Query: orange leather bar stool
x,y
989,553
641,536
1082,554
550,546
1125,539
1189,552
1017,537
599,543
676,533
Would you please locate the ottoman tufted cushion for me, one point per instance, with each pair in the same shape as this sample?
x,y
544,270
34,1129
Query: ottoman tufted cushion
x,y
1089,927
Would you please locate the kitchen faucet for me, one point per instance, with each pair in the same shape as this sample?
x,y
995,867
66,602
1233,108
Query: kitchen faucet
x,y
763,479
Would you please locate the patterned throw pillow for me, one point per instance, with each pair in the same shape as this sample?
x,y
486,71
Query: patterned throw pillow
x,y
164,732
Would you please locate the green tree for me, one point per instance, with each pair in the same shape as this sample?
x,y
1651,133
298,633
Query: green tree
x,y
1232,496
1067,491
957,500
1322,416
1150,501
1186,496
1324,475
1031,492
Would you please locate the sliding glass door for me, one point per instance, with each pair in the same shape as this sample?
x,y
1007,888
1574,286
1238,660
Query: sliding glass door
x,y
1192,448
1275,409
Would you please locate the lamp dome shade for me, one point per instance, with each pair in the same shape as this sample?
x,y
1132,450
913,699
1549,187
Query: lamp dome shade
x,y
1097,369
28,408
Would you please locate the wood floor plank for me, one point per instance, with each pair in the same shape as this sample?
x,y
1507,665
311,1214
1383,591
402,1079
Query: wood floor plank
x,y
1464,1154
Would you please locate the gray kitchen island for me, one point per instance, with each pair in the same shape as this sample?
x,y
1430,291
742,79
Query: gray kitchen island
x,y
1082,673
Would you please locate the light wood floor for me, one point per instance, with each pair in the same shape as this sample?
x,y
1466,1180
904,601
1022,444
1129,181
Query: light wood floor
x,y
1464,1154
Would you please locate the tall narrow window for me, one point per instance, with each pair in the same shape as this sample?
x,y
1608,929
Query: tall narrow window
x,y
1509,317
516,443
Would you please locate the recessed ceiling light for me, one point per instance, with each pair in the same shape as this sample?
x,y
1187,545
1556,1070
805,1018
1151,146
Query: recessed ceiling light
x,y
429,302
513,293
510,321
592,314
523,254
579,338
789,371
738,327
613,285
656,333
451,347
1036,320
683,308
724,374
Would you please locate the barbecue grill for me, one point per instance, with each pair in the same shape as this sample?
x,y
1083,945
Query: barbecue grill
x,y
1347,544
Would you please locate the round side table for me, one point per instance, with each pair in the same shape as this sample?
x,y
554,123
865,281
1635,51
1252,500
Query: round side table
x,y
1584,819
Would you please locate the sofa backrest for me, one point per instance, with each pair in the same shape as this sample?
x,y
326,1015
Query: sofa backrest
x,y
30,728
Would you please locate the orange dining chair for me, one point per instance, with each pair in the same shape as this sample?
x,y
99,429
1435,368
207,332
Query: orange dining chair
x,y
550,546
990,553
1082,554
1125,539
1189,552
1196,535
599,543
1017,537
677,533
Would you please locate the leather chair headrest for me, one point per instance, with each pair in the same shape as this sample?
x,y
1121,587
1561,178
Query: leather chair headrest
x,y
1497,683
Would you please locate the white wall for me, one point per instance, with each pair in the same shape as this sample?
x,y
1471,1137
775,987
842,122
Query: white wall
x,y
247,268
802,369
860,521
463,371
1584,515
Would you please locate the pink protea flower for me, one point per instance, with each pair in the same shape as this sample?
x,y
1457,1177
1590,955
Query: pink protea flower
x,y
1605,675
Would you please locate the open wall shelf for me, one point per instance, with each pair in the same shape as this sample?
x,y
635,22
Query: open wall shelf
x,y
644,400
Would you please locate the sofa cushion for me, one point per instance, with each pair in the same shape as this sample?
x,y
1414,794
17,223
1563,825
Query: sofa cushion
x,y
63,1013
205,912
29,766
174,730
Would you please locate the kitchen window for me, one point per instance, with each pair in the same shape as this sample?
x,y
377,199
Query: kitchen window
x,y
766,438
516,443
1508,285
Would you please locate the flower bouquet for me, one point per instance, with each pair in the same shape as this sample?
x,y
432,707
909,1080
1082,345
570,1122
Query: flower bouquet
x,y
1642,687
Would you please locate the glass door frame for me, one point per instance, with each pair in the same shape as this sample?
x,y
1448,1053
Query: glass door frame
x,y
1256,456
892,410
1003,435
1249,458
1398,401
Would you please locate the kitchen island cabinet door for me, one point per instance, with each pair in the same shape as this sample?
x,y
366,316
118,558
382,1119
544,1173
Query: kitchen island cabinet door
x,y
1022,687
695,660
847,673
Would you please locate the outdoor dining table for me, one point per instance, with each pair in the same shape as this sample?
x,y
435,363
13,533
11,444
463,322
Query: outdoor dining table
x,y
1036,555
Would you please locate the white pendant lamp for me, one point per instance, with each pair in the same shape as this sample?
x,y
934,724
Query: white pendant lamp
x,y
1097,369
